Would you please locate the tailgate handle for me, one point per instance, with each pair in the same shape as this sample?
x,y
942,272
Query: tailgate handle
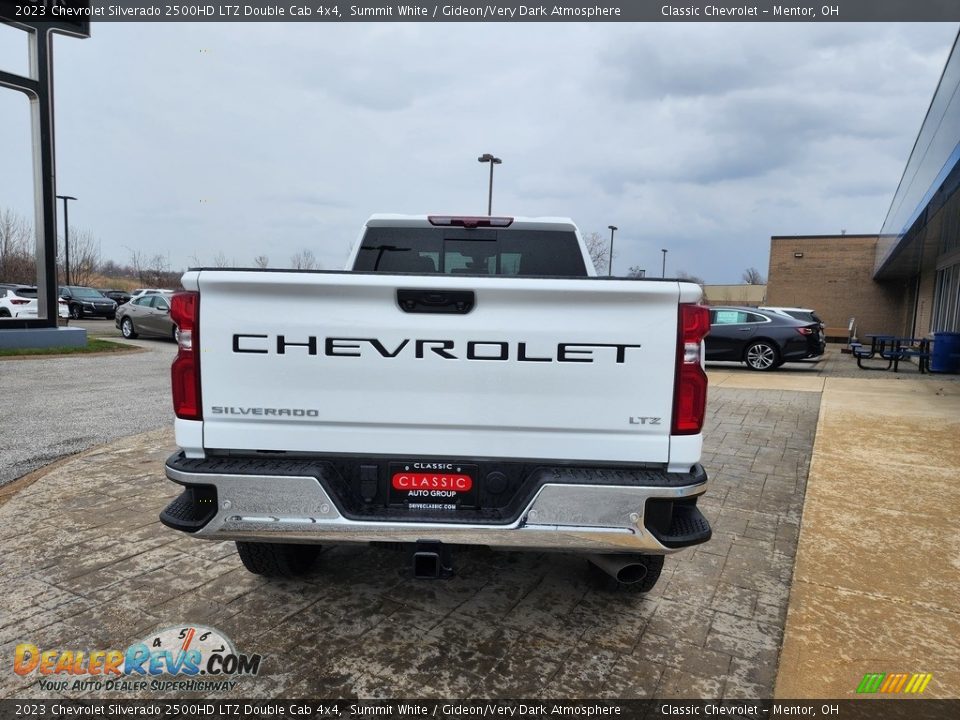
x,y
456,302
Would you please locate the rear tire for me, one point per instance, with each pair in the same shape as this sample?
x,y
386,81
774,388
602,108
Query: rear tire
x,y
277,559
654,565
761,355
76,312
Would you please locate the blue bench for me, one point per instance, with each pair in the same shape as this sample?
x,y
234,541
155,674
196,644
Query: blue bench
x,y
922,356
893,353
862,352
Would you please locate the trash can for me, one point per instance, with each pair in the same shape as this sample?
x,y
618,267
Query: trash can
x,y
945,357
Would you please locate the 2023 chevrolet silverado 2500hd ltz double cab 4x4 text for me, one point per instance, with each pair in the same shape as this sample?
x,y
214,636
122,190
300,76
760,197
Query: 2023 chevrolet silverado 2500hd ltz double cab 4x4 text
x,y
468,381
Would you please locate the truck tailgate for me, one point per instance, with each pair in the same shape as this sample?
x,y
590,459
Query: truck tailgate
x,y
567,369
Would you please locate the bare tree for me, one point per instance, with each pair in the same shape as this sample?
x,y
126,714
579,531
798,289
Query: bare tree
x,y
138,262
111,269
304,260
158,271
636,271
84,257
261,261
599,249
690,278
752,276
154,271
18,261
220,260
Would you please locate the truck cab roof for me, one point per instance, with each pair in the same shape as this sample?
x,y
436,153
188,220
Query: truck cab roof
x,y
467,220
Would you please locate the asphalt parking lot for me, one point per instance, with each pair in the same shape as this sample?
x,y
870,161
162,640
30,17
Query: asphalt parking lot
x,y
58,406
98,327
507,625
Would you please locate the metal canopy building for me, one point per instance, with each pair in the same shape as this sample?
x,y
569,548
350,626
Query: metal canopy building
x,y
920,239
906,280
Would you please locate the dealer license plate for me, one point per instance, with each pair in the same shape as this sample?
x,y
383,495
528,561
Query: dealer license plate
x,y
433,485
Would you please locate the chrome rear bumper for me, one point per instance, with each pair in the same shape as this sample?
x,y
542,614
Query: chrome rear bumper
x,y
563,517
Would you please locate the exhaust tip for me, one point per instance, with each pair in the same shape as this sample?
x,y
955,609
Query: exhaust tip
x,y
638,572
632,573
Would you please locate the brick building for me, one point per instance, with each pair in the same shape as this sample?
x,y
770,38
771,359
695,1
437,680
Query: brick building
x,y
833,274
741,294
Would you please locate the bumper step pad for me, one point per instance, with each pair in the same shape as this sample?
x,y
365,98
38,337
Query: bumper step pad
x,y
677,524
191,509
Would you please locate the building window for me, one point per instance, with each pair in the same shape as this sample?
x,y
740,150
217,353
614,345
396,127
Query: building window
x,y
946,300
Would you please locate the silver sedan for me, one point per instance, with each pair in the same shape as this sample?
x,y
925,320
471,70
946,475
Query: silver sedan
x,y
146,315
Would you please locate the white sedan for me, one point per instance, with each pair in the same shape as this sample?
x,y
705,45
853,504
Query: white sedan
x,y
140,292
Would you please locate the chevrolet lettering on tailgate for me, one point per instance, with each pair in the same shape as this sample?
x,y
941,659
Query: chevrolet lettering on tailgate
x,y
259,344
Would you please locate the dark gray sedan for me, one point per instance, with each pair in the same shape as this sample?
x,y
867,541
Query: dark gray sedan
x,y
146,315
764,340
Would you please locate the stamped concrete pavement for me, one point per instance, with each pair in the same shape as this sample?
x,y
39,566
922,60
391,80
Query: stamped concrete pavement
x,y
90,567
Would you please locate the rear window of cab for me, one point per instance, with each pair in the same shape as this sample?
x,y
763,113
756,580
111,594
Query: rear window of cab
x,y
452,251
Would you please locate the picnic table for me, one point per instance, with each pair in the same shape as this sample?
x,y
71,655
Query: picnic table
x,y
893,349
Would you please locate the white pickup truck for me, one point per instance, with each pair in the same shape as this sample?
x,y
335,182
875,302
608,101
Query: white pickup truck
x,y
468,381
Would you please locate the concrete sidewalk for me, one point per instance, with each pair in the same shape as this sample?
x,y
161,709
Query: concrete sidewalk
x,y
876,584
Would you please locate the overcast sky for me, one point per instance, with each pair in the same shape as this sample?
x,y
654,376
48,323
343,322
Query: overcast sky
x,y
705,139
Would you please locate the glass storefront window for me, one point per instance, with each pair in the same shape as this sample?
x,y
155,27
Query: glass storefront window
x,y
946,300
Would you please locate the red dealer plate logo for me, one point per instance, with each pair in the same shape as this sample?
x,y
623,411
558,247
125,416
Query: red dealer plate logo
x,y
432,485
432,481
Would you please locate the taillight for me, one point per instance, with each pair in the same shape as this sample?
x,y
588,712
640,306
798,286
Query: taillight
x,y
18,301
804,331
469,222
185,372
690,389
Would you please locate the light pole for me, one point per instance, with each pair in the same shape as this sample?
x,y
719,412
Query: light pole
x,y
663,272
613,229
66,237
487,157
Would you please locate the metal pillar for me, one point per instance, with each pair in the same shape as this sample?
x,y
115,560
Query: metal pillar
x,y
38,87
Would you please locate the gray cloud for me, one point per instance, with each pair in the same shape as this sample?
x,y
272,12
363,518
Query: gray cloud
x,y
267,138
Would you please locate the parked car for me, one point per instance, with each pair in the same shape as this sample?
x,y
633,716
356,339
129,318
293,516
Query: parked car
x,y
804,314
764,340
118,296
21,301
140,292
84,301
146,315
18,301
